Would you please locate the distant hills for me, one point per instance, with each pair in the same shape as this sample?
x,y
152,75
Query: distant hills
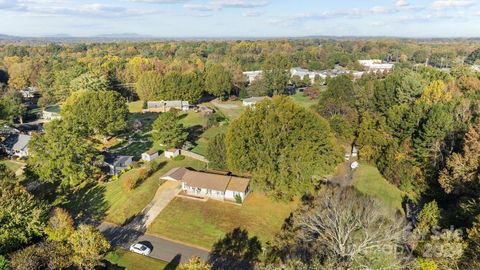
x,y
65,38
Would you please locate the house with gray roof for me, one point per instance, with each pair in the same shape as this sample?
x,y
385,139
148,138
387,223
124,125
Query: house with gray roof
x,y
167,105
116,163
17,145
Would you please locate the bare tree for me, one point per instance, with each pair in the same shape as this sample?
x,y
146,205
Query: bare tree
x,y
351,231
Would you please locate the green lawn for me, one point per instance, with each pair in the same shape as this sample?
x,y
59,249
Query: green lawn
x,y
123,204
303,101
122,259
12,165
204,223
368,180
231,113
191,119
135,106
209,134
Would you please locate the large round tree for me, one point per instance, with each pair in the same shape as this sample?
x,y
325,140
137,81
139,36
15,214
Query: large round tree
x,y
285,147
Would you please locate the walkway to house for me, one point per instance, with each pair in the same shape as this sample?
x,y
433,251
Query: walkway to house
x,y
165,193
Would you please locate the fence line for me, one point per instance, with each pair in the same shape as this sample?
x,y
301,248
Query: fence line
x,y
193,155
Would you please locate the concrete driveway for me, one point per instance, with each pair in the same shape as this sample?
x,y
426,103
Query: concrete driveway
x,y
162,249
165,193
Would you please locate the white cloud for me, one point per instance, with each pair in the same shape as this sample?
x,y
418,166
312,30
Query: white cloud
x,y
442,4
216,5
251,13
160,1
402,3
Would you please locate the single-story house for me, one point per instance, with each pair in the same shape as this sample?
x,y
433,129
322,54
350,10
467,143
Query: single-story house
x,y
17,145
251,76
150,155
210,185
375,65
29,92
117,163
166,106
51,113
172,153
253,101
205,109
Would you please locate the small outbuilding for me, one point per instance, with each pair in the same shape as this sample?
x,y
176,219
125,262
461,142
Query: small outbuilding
x,y
150,155
172,153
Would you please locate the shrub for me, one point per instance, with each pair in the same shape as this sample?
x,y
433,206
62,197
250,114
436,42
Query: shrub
x,y
238,198
130,183
142,175
4,265
179,157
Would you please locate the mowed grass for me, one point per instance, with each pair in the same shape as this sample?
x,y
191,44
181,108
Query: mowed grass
x,y
124,203
303,101
12,165
368,180
123,259
204,223
191,119
135,106
209,134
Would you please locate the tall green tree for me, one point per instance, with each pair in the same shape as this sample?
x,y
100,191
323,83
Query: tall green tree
x,y
148,85
276,73
217,153
63,157
167,130
101,113
218,80
88,245
286,148
90,82
11,106
22,217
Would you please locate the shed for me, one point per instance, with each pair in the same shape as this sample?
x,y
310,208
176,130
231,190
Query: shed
x,y
172,153
150,155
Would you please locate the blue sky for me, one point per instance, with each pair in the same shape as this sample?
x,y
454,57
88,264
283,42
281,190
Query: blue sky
x,y
245,18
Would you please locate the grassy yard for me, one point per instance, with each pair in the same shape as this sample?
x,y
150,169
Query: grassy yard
x,y
303,101
135,106
231,113
124,204
12,165
122,259
191,119
209,134
204,223
368,180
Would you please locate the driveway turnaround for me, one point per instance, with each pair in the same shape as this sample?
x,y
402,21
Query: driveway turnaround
x,y
162,249
165,193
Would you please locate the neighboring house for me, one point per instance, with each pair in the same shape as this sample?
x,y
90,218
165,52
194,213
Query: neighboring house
x,y
354,151
210,185
117,163
375,65
251,76
166,106
29,92
150,155
300,72
51,113
253,101
17,145
172,153
476,68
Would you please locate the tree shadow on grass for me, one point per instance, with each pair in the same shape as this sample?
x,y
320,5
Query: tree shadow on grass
x,y
194,132
88,203
235,251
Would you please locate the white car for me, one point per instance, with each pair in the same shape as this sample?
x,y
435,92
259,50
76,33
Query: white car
x,y
347,157
140,249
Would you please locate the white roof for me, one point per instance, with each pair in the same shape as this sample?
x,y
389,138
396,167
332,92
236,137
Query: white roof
x,y
255,99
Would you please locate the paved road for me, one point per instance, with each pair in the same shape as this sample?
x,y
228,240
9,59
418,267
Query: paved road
x,y
165,193
162,249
